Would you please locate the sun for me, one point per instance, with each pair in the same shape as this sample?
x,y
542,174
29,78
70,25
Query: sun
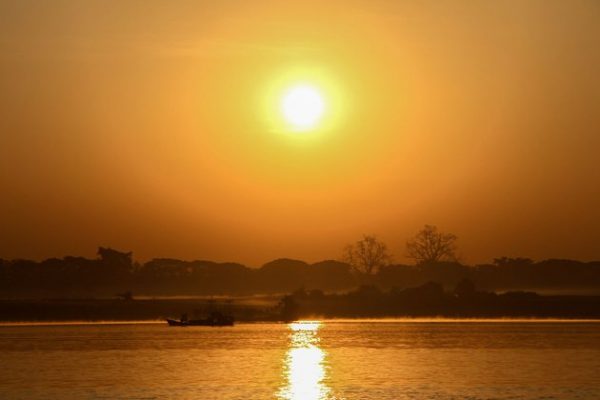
x,y
303,107
307,103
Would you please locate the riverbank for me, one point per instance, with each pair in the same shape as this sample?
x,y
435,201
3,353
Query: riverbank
x,y
334,306
129,310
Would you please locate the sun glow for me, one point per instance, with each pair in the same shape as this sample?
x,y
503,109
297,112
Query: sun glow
x,y
301,100
302,107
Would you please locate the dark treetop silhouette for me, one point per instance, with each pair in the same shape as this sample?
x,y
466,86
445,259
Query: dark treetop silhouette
x,y
366,262
116,272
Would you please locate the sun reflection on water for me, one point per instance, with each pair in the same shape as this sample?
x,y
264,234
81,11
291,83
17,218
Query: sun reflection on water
x,y
304,369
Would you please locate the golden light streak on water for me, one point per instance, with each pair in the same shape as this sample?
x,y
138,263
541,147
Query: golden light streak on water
x,y
304,369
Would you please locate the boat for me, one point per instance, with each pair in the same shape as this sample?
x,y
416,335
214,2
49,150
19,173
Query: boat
x,y
215,318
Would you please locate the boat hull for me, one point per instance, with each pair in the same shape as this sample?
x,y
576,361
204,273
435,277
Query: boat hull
x,y
173,322
200,322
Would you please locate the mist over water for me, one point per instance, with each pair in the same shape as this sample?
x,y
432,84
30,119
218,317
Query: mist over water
x,y
311,360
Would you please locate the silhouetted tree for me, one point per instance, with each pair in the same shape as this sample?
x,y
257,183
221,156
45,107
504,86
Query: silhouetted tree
x,y
331,275
114,272
113,267
430,246
283,274
465,288
110,256
367,255
288,308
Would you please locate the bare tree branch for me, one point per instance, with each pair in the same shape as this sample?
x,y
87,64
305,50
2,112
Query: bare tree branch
x,y
430,245
367,255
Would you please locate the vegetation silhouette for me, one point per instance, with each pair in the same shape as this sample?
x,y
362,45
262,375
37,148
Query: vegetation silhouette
x,y
431,246
432,300
288,308
364,283
116,272
367,255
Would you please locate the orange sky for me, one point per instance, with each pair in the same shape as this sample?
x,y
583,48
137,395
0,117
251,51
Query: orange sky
x,y
146,126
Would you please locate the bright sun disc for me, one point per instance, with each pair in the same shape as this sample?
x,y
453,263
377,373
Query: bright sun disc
x,y
302,107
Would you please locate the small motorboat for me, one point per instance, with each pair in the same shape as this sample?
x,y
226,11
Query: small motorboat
x,y
174,322
214,319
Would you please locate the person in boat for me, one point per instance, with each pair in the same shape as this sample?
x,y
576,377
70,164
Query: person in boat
x,y
184,317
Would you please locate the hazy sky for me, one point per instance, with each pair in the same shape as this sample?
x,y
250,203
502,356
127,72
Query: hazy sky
x,y
149,126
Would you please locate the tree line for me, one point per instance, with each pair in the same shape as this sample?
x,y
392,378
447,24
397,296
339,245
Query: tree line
x,y
428,246
365,262
433,300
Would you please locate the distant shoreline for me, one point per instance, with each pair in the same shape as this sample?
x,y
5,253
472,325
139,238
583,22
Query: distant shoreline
x,y
442,320
375,307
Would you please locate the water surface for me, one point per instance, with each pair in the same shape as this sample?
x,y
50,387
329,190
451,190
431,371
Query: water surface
x,y
309,361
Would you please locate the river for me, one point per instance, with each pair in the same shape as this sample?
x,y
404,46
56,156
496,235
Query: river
x,y
400,359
